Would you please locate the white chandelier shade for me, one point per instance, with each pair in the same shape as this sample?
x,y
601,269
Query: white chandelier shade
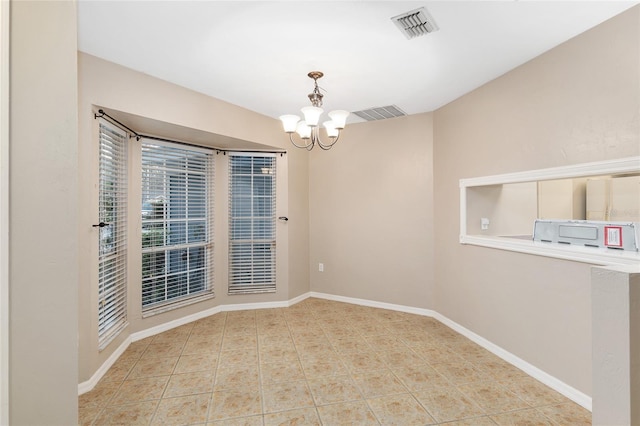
x,y
308,129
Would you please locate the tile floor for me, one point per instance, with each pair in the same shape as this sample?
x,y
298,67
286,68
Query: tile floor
x,y
319,362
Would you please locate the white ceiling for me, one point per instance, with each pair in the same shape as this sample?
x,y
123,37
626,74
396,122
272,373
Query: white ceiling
x,y
257,54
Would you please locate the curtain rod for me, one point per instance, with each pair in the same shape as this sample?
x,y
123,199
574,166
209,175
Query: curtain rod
x,y
137,135
101,114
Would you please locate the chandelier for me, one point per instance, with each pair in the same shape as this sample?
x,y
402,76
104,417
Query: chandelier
x,y
308,129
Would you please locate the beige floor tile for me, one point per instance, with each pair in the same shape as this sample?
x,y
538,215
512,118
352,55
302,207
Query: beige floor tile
x,y
196,362
286,396
163,349
492,397
176,335
371,329
235,403
240,329
476,356
399,410
316,350
213,320
533,392
206,339
383,342
436,354
476,421
152,367
139,390
304,416
467,349
240,341
265,340
183,410
567,413
132,414
328,318
213,325
274,327
247,356
378,383
347,413
460,372
446,403
138,347
279,360
236,377
401,358
347,345
271,354
340,332
281,372
422,377
306,327
388,315
363,361
529,417
270,312
130,357
319,368
411,338
448,336
425,339
334,389
100,395
119,370
189,384
239,421
299,340
499,369
193,347
87,414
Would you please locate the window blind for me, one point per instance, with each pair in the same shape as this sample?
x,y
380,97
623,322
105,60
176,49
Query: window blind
x,y
112,253
252,219
177,223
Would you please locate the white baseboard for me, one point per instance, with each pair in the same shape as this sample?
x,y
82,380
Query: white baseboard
x,y
374,304
152,331
549,380
86,386
559,386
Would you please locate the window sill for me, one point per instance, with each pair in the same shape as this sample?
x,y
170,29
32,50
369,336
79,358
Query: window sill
x,y
594,256
169,306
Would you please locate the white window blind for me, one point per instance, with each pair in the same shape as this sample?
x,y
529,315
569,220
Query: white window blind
x,y
177,223
252,220
112,255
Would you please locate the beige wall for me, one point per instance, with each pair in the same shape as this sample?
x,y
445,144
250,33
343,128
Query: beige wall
x,y
43,251
371,213
372,220
384,208
579,102
104,84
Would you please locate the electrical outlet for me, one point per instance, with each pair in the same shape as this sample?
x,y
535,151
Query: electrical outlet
x,y
484,223
321,267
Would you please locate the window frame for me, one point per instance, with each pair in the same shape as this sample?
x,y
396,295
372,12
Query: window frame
x,y
209,244
235,285
116,311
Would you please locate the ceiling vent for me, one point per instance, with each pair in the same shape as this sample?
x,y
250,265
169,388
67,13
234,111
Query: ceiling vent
x,y
380,113
415,23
